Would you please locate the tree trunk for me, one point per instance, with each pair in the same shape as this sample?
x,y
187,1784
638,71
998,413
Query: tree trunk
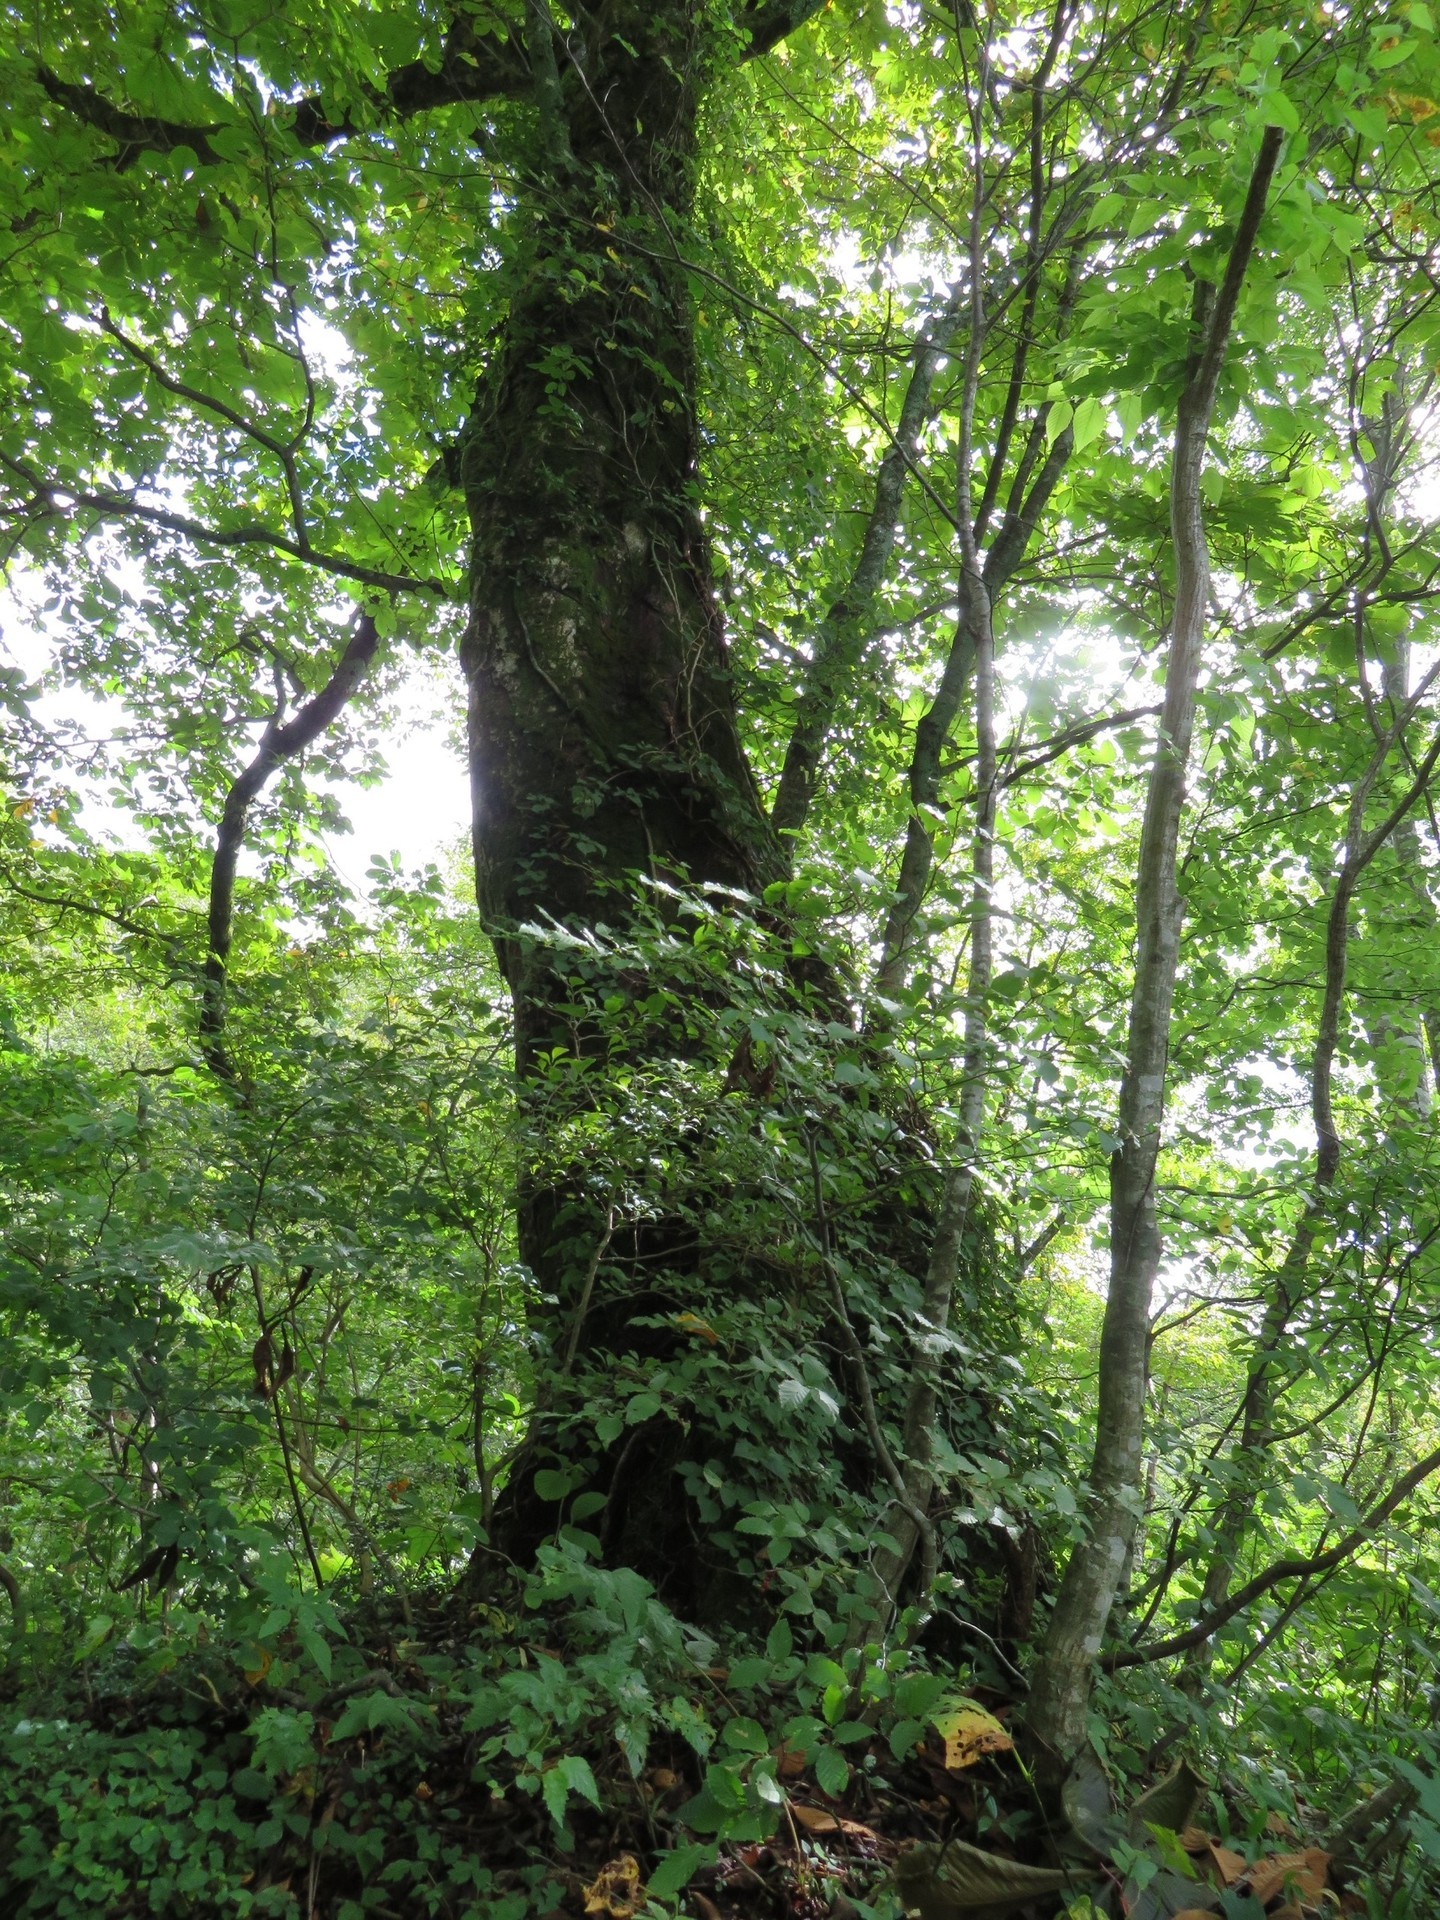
x,y
1248,1465
602,726
974,647
1061,1693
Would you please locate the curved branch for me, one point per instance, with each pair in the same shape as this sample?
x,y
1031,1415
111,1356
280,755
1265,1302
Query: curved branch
x,y
283,451
133,133
1292,1569
281,741
53,498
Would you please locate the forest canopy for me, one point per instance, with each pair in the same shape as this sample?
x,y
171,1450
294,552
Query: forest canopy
x,y
832,1313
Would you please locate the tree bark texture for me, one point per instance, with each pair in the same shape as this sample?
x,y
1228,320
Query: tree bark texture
x,y
603,734
1061,1694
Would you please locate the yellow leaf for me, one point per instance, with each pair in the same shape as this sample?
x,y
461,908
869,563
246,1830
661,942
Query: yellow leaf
x,y
969,1732
616,1891
692,1323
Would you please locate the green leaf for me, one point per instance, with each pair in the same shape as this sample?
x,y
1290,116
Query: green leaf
x,y
748,1735
678,1867
780,1642
1278,110
905,1736
553,1484
574,1769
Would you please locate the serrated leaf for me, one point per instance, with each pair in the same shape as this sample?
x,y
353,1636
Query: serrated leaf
x,y
678,1868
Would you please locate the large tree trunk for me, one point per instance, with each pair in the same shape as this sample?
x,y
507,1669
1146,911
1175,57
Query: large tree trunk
x,y
603,736
602,725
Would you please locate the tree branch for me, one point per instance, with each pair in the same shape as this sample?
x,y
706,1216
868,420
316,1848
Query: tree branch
x,y
472,67
281,741
1292,1569
52,498
133,133
844,630
769,22
283,451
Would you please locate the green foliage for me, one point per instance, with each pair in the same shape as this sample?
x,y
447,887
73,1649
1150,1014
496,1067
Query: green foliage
x,y
276,1376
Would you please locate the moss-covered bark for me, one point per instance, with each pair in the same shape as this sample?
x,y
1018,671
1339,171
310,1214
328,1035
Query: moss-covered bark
x,y
603,734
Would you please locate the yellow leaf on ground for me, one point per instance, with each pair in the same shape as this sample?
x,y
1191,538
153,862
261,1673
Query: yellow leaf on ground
x,y
969,1732
617,1891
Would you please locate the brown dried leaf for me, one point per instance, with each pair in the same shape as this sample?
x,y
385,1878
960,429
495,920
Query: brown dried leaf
x,y
1228,1864
857,1830
1302,1873
789,1762
814,1819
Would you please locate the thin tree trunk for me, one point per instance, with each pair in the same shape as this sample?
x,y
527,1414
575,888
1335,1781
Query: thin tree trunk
x,y
1247,1466
1061,1693
972,650
927,1354
282,740
846,627
974,629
